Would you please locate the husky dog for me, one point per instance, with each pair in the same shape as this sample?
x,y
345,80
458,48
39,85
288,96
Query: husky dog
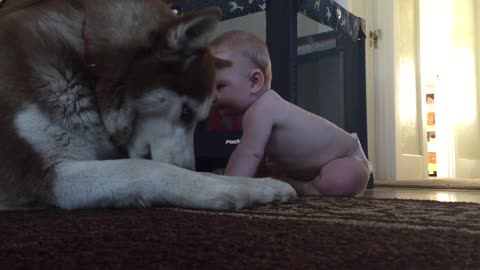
x,y
83,82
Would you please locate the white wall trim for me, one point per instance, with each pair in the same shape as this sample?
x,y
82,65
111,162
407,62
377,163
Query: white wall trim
x,y
384,94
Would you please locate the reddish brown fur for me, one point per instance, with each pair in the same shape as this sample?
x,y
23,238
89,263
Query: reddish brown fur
x,y
129,68
21,168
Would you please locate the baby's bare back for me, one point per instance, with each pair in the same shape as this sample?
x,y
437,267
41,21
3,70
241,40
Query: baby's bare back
x,y
301,142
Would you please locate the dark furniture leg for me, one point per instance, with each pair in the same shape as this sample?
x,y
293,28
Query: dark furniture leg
x,y
281,16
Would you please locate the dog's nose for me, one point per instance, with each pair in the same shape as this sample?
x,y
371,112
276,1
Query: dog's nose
x,y
188,164
214,105
190,167
147,156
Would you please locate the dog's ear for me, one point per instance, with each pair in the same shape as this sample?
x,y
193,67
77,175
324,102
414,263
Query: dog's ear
x,y
193,31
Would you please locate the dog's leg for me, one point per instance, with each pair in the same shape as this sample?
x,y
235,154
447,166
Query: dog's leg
x,y
136,182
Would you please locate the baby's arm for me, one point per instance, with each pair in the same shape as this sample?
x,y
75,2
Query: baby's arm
x,y
245,159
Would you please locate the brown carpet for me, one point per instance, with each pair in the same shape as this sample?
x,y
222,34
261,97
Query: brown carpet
x,y
312,233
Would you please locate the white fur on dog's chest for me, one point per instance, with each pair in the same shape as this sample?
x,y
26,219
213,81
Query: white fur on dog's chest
x,y
55,143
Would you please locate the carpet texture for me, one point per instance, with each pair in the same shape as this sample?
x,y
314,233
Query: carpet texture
x,y
311,233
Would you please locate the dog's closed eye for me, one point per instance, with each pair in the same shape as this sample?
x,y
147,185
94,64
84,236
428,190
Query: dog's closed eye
x,y
187,115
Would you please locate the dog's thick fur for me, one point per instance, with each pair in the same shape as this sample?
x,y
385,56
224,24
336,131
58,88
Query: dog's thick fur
x,y
64,123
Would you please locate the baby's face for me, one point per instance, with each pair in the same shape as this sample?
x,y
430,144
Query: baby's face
x,y
232,85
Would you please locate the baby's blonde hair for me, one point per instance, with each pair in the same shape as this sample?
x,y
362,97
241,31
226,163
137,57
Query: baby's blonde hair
x,y
248,45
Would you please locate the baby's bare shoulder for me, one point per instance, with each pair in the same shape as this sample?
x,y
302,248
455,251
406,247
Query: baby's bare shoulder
x,y
264,111
269,104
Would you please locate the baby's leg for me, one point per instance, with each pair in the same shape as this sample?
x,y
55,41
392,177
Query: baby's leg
x,y
339,177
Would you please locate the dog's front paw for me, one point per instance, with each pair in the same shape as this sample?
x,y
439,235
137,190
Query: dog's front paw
x,y
285,190
268,190
174,186
235,193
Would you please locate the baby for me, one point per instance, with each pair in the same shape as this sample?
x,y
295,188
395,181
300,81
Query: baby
x,y
280,139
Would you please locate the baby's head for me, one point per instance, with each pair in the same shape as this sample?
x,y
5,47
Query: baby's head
x,y
247,46
247,77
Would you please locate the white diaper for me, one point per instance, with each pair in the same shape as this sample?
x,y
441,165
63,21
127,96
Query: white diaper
x,y
358,154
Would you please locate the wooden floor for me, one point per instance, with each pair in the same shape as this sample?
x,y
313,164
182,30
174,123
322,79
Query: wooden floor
x,y
433,183
444,195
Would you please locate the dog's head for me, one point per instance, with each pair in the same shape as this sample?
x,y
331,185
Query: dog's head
x,y
155,75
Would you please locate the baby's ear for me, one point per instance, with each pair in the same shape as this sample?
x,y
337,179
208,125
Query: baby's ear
x,y
221,64
192,31
257,81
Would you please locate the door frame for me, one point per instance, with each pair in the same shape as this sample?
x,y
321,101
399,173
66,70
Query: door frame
x,y
383,110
